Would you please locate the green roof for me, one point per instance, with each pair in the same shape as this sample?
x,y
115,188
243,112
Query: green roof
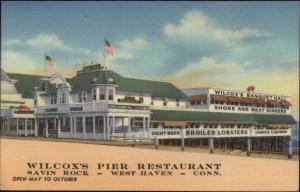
x,y
25,83
45,85
170,115
155,88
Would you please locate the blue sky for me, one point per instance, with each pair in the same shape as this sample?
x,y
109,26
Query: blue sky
x,y
191,44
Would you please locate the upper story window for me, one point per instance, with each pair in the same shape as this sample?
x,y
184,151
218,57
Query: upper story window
x,y
165,102
102,94
53,99
63,98
177,102
141,99
94,94
82,96
110,94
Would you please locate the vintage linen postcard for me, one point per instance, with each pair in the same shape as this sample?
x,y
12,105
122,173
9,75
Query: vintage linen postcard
x,y
149,96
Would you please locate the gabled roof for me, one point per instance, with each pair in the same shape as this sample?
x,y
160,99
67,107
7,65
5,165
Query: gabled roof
x,y
155,88
171,115
25,83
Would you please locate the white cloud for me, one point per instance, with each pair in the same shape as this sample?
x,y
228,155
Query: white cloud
x,y
128,49
14,61
12,42
47,42
195,28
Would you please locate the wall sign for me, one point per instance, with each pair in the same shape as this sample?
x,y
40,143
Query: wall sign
x,y
128,99
216,133
23,112
51,110
80,108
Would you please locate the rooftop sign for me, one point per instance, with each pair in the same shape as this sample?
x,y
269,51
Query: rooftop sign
x,y
90,69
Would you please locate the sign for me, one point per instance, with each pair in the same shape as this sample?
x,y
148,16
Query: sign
x,y
80,108
90,69
247,109
241,96
249,95
128,99
51,110
23,112
216,132
112,106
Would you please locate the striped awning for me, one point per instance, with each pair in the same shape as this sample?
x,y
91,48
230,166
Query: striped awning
x,y
285,103
197,98
218,97
247,100
260,101
233,99
272,102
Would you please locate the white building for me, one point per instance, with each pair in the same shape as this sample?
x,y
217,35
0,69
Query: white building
x,y
100,104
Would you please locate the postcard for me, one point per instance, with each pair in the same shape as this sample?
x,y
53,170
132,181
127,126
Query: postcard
x,y
149,96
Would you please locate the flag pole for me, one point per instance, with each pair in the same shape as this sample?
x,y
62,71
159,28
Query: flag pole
x,y
104,55
45,65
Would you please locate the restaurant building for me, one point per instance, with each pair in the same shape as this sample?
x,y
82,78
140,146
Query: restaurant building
x,y
101,104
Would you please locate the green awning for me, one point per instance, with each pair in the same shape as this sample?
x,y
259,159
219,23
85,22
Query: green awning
x,y
171,115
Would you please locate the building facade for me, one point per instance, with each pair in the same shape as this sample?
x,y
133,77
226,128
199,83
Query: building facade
x,y
98,103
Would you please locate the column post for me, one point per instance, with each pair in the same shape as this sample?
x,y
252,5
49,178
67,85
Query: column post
x,y
83,126
156,143
46,125
17,126
104,127
58,127
113,124
94,127
129,125
108,127
35,127
144,124
290,154
248,146
75,125
211,145
25,126
71,125
148,123
182,140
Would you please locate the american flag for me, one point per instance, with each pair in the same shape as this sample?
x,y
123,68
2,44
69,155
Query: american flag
x,y
49,60
109,48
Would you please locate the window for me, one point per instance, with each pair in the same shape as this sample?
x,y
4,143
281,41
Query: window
x,y
165,102
63,98
141,99
94,93
102,94
177,102
152,103
110,94
53,99
82,96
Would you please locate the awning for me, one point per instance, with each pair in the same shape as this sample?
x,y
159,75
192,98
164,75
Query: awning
x,y
218,97
197,98
233,99
272,102
285,103
260,101
175,123
215,117
247,100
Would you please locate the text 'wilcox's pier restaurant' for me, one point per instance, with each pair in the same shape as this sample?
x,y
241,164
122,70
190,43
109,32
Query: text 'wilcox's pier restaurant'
x,y
101,104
